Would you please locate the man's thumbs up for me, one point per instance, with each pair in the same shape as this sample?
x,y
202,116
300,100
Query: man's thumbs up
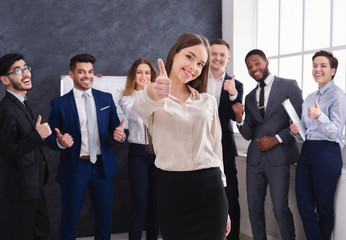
x,y
229,86
42,129
65,140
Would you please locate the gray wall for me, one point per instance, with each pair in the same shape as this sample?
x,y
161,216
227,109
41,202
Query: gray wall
x,y
117,32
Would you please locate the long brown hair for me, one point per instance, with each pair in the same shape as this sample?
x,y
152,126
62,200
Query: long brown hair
x,y
200,83
189,40
131,75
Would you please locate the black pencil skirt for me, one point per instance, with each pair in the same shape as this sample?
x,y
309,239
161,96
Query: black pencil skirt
x,y
192,205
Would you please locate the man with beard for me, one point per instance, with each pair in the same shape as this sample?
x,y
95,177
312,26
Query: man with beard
x,y
83,121
272,148
21,138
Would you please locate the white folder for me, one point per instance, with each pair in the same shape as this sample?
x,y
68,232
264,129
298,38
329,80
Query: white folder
x,y
294,117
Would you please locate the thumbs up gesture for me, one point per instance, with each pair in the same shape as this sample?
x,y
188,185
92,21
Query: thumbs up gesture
x,y
229,86
42,129
161,88
65,140
119,134
314,112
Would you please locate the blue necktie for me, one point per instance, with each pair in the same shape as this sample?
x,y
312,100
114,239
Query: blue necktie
x,y
91,128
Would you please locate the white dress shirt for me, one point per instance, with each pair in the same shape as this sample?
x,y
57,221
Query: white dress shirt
x,y
80,103
269,83
215,86
136,126
186,135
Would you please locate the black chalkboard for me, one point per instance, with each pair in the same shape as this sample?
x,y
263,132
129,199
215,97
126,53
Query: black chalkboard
x,y
117,32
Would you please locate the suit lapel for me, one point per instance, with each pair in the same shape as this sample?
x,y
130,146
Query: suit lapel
x,y
253,106
272,96
97,104
73,107
21,107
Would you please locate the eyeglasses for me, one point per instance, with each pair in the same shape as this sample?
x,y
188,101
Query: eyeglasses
x,y
19,71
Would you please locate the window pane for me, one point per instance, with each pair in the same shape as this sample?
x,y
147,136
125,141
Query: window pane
x,y
317,24
291,25
273,66
339,20
309,84
267,32
291,67
340,75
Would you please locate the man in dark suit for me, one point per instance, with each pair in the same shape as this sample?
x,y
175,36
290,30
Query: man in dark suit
x,y
21,139
272,148
83,120
227,92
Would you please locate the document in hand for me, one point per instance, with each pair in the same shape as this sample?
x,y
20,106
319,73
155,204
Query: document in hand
x,y
294,117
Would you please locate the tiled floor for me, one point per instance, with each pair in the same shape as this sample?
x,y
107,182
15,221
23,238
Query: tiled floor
x,y
118,236
124,236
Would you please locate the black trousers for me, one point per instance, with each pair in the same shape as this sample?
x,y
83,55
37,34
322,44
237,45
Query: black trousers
x,y
29,218
192,205
232,194
143,183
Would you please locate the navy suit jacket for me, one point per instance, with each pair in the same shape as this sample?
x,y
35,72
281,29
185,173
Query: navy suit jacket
x,y
64,116
226,114
275,121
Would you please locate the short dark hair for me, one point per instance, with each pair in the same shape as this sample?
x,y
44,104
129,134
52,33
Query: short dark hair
x,y
86,58
7,60
256,52
333,61
219,41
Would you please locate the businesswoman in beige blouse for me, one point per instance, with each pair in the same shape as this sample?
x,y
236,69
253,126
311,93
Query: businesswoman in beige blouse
x,y
183,122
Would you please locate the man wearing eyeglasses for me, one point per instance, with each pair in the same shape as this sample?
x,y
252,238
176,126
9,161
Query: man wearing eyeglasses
x,y
21,138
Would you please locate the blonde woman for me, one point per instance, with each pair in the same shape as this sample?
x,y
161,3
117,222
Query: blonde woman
x,y
141,169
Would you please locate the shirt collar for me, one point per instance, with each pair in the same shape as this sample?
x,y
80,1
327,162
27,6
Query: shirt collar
x,y
222,77
325,87
194,93
19,97
79,93
268,80
193,96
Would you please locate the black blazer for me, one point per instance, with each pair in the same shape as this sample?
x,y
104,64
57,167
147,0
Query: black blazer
x,y
20,146
226,114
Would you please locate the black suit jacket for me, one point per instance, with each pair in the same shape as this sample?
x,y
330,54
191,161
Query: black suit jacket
x,y
20,146
226,114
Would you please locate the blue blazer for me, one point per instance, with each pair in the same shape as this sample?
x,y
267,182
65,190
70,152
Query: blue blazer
x,y
64,116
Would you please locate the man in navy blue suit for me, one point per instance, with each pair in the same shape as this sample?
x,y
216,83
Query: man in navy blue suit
x,y
83,120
